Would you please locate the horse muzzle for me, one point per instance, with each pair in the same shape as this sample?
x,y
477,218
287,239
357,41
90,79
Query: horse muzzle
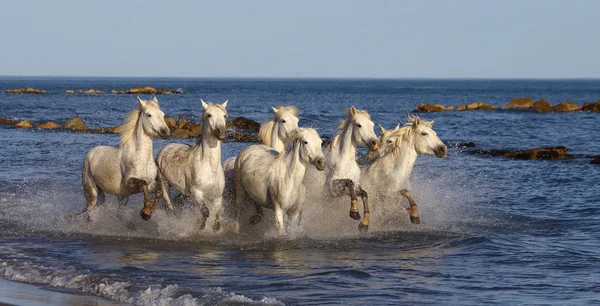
x,y
220,134
320,163
373,145
441,151
165,133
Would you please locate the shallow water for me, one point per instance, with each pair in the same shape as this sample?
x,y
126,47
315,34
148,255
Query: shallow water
x,y
494,231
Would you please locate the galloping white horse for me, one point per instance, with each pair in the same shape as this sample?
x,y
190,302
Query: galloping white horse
x,y
274,180
196,171
388,175
343,173
129,168
274,132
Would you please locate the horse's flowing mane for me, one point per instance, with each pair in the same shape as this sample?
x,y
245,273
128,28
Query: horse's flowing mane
x,y
343,124
127,129
266,128
404,132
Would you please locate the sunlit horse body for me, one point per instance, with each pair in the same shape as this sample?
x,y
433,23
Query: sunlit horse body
x,y
129,168
387,175
275,131
274,180
196,171
342,176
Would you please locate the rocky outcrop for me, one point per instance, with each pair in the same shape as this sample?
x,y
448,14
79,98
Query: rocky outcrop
x,y
23,124
519,103
8,121
591,107
27,90
241,123
548,153
70,91
429,108
48,125
596,161
171,123
542,106
148,90
241,137
75,125
461,107
90,91
106,130
565,107
480,106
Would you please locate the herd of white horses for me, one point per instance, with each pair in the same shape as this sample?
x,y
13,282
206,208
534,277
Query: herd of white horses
x,y
280,174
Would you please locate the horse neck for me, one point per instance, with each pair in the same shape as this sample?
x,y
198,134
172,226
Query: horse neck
x,y
209,147
139,146
291,165
346,148
400,162
276,142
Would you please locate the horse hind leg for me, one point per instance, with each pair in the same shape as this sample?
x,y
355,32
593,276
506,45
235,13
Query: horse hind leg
x,y
413,210
364,225
164,187
258,216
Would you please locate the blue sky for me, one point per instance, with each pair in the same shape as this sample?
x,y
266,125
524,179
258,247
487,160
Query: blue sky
x,y
328,38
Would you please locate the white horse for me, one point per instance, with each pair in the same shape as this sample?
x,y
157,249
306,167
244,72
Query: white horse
x,y
196,171
275,180
387,175
275,131
343,173
129,168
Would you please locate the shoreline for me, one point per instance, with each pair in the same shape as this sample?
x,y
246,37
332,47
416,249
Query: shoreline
x,y
16,293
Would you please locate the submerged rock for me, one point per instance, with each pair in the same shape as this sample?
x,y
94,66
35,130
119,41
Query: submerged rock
x,y
8,121
596,161
106,130
547,153
429,108
48,125
76,125
565,107
23,124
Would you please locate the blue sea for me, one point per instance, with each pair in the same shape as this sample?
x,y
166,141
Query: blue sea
x,y
493,231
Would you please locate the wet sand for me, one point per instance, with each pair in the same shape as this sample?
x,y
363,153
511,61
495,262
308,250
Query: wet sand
x,y
13,293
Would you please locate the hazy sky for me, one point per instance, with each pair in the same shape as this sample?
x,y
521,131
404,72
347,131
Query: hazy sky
x,y
388,39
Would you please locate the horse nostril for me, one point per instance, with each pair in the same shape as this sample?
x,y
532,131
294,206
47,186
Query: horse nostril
x,y
373,142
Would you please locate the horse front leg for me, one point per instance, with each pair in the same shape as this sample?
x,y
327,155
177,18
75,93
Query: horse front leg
x,y
279,217
198,197
135,185
218,208
364,225
413,211
354,214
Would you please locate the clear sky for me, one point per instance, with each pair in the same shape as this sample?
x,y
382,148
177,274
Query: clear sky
x,y
303,38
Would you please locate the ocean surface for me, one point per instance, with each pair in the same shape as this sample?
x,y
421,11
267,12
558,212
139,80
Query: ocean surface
x,y
494,230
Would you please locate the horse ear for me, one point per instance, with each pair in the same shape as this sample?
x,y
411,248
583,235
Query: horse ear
x,y
417,122
397,127
225,103
381,129
155,99
275,110
141,102
353,110
430,123
204,105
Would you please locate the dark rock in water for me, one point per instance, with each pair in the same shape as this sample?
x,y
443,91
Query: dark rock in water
x,y
171,123
542,106
519,103
241,123
48,125
183,133
147,90
106,130
8,121
178,91
27,90
429,108
469,144
241,137
480,106
565,107
550,153
591,107
489,152
76,125
23,124
90,91
596,161
195,128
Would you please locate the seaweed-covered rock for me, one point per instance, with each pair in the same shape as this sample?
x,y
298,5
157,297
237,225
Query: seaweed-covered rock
x,y
171,123
106,130
429,108
8,121
548,153
242,137
242,123
542,106
591,107
76,125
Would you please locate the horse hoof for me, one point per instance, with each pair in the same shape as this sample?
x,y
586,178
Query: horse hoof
x,y
355,215
415,220
216,227
363,228
145,216
255,219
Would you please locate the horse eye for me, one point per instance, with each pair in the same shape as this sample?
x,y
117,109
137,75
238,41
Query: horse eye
x,y
283,121
224,116
389,141
209,115
149,115
424,133
305,142
359,126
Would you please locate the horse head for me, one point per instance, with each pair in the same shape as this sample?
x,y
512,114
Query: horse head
x,y
152,118
425,139
308,143
286,120
214,119
362,128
